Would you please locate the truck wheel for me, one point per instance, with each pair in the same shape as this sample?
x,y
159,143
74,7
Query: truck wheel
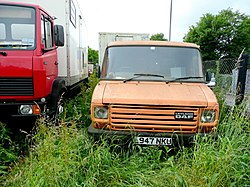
x,y
59,105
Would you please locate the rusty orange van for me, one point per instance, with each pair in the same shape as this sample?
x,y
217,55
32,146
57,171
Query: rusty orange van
x,y
154,91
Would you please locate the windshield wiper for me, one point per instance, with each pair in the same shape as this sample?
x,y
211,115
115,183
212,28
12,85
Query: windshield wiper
x,y
183,78
136,75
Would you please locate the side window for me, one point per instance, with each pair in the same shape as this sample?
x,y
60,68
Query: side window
x,y
72,13
105,65
2,32
42,30
46,32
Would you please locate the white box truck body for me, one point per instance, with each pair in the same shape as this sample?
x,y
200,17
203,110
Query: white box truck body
x,y
106,37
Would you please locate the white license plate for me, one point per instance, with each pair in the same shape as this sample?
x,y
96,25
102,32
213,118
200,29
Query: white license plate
x,y
153,141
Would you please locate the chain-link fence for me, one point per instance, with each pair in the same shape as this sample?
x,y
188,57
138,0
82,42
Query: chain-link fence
x,y
232,78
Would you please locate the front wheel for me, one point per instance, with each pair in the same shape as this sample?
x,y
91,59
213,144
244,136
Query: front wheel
x,y
60,104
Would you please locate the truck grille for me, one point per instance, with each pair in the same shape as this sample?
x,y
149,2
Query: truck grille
x,y
152,118
16,86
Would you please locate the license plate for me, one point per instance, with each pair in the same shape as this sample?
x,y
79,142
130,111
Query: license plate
x,y
153,141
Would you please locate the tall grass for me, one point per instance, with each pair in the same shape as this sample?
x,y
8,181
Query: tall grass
x,y
7,154
65,155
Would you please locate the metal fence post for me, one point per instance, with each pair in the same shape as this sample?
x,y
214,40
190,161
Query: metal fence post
x,y
241,78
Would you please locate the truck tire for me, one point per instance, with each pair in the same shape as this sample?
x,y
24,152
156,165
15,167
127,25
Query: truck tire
x,y
60,104
56,102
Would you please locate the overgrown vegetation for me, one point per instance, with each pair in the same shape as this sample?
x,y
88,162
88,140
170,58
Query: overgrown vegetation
x,y
7,154
65,155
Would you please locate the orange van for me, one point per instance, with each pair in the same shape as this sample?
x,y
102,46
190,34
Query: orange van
x,y
154,91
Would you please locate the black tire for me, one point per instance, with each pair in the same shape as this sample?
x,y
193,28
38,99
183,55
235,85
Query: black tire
x,y
60,104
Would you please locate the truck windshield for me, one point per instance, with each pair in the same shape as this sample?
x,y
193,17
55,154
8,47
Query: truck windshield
x,y
161,63
17,27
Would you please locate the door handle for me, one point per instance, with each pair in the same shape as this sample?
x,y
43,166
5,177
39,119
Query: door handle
x,y
3,53
56,63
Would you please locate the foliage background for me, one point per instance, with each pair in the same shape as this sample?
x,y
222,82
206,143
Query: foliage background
x,y
158,37
224,35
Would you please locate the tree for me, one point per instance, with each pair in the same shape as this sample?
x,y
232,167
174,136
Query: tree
x,y
158,37
93,56
223,35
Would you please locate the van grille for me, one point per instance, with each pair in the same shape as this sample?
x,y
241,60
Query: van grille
x,y
16,87
152,118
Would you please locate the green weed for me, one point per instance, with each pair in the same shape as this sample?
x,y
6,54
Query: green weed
x,y
7,148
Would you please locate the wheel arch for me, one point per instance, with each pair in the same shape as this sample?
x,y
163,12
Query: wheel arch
x,y
58,87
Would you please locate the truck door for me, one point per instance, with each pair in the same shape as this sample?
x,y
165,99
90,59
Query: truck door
x,y
49,52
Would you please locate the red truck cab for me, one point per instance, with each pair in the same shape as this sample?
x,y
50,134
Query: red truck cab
x,y
28,60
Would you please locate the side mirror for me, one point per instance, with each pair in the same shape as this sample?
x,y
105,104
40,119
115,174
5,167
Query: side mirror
x,y
98,70
209,76
210,79
59,35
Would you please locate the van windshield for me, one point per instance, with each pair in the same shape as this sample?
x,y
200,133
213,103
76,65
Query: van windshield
x,y
161,63
17,27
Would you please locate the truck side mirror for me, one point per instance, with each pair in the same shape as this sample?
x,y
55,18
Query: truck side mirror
x,y
59,35
208,76
98,71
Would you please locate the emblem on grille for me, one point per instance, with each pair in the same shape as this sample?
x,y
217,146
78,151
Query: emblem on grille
x,y
184,115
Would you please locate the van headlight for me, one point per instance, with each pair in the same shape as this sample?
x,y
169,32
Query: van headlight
x,y
101,112
208,116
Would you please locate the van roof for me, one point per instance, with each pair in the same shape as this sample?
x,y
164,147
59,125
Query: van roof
x,y
152,43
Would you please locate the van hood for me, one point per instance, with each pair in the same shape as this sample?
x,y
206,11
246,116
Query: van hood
x,y
153,93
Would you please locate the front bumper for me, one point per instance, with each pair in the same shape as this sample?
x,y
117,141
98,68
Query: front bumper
x,y
177,138
11,109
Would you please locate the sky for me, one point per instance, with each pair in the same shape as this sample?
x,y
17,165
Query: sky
x,y
150,16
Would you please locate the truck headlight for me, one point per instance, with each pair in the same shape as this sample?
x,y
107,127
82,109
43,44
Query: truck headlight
x,y
208,116
30,109
101,112
26,109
